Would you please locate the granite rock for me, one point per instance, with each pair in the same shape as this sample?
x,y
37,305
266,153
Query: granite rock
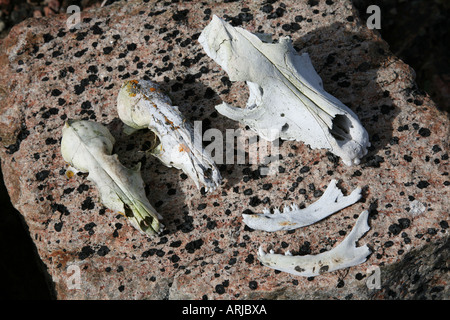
x,y
50,74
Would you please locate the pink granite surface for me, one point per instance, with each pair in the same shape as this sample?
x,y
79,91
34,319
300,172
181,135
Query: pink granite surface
x,y
50,74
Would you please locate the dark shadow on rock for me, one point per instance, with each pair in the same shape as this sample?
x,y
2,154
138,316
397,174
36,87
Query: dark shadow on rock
x,y
348,64
419,275
418,39
196,103
24,275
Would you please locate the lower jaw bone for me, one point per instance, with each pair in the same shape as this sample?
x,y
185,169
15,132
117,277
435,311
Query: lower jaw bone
x,y
293,217
345,255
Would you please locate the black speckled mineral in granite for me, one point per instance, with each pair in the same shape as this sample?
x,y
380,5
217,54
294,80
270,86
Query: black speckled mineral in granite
x,y
50,74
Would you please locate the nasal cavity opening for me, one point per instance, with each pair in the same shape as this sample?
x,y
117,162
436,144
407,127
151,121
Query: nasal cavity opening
x,y
341,128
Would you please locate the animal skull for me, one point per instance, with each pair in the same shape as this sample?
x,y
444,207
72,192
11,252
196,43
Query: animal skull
x,y
142,104
286,93
87,146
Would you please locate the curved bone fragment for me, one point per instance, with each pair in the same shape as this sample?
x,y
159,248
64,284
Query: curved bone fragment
x,y
293,217
87,146
345,255
141,104
287,99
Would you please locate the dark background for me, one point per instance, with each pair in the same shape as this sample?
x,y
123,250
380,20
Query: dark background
x,y
417,31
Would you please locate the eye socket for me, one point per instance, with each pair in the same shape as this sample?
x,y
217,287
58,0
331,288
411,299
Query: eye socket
x,y
150,145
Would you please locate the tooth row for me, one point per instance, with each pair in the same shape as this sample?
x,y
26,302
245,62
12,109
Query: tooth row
x,y
286,209
262,253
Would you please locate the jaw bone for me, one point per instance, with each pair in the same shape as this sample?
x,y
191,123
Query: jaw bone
x,y
287,99
141,104
87,146
345,255
293,217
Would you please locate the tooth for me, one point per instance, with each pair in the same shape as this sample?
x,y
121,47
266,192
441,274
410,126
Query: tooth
x,y
261,251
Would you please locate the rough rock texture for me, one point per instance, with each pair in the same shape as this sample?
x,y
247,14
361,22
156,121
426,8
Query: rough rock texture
x,y
50,74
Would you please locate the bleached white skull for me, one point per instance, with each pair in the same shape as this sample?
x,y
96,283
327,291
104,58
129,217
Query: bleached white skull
x,y
287,99
87,146
141,104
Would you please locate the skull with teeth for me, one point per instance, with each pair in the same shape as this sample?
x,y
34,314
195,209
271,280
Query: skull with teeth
x,y
141,104
286,95
293,217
